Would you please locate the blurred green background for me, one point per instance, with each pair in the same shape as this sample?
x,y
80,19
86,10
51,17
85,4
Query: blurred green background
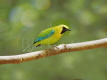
x,y
22,20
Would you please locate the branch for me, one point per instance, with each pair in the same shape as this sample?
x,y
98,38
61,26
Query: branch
x,y
63,48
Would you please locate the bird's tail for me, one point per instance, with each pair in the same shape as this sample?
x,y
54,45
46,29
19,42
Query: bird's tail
x,y
29,48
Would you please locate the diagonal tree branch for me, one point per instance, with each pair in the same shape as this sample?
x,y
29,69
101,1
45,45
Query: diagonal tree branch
x,y
63,48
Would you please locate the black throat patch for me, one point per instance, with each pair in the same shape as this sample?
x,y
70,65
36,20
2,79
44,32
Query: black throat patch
x,y
63,30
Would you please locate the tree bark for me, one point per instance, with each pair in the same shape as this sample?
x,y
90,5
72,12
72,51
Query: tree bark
x,y
63,48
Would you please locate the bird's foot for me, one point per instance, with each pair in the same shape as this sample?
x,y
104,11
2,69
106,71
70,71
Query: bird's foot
x,y
55,46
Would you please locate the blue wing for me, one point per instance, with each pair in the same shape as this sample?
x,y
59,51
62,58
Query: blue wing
x,y
44,34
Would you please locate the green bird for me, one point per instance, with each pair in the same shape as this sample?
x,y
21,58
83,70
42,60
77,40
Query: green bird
x,y
49,36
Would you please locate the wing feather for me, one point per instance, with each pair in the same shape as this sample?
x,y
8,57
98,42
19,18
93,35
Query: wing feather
x,y
44,34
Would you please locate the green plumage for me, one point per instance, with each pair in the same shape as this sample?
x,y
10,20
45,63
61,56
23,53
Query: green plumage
x,y
44,34
49,36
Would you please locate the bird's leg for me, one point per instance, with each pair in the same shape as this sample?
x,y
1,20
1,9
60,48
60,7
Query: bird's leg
x,y
55,46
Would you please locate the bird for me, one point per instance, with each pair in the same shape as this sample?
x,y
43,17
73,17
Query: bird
x,y
49,36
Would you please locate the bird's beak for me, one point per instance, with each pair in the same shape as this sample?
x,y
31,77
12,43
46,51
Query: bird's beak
x,y
68,29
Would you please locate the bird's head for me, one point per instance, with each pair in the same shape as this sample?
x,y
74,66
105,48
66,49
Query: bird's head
x,y
64,28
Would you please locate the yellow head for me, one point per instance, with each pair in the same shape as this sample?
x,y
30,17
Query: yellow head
x,y
64,28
